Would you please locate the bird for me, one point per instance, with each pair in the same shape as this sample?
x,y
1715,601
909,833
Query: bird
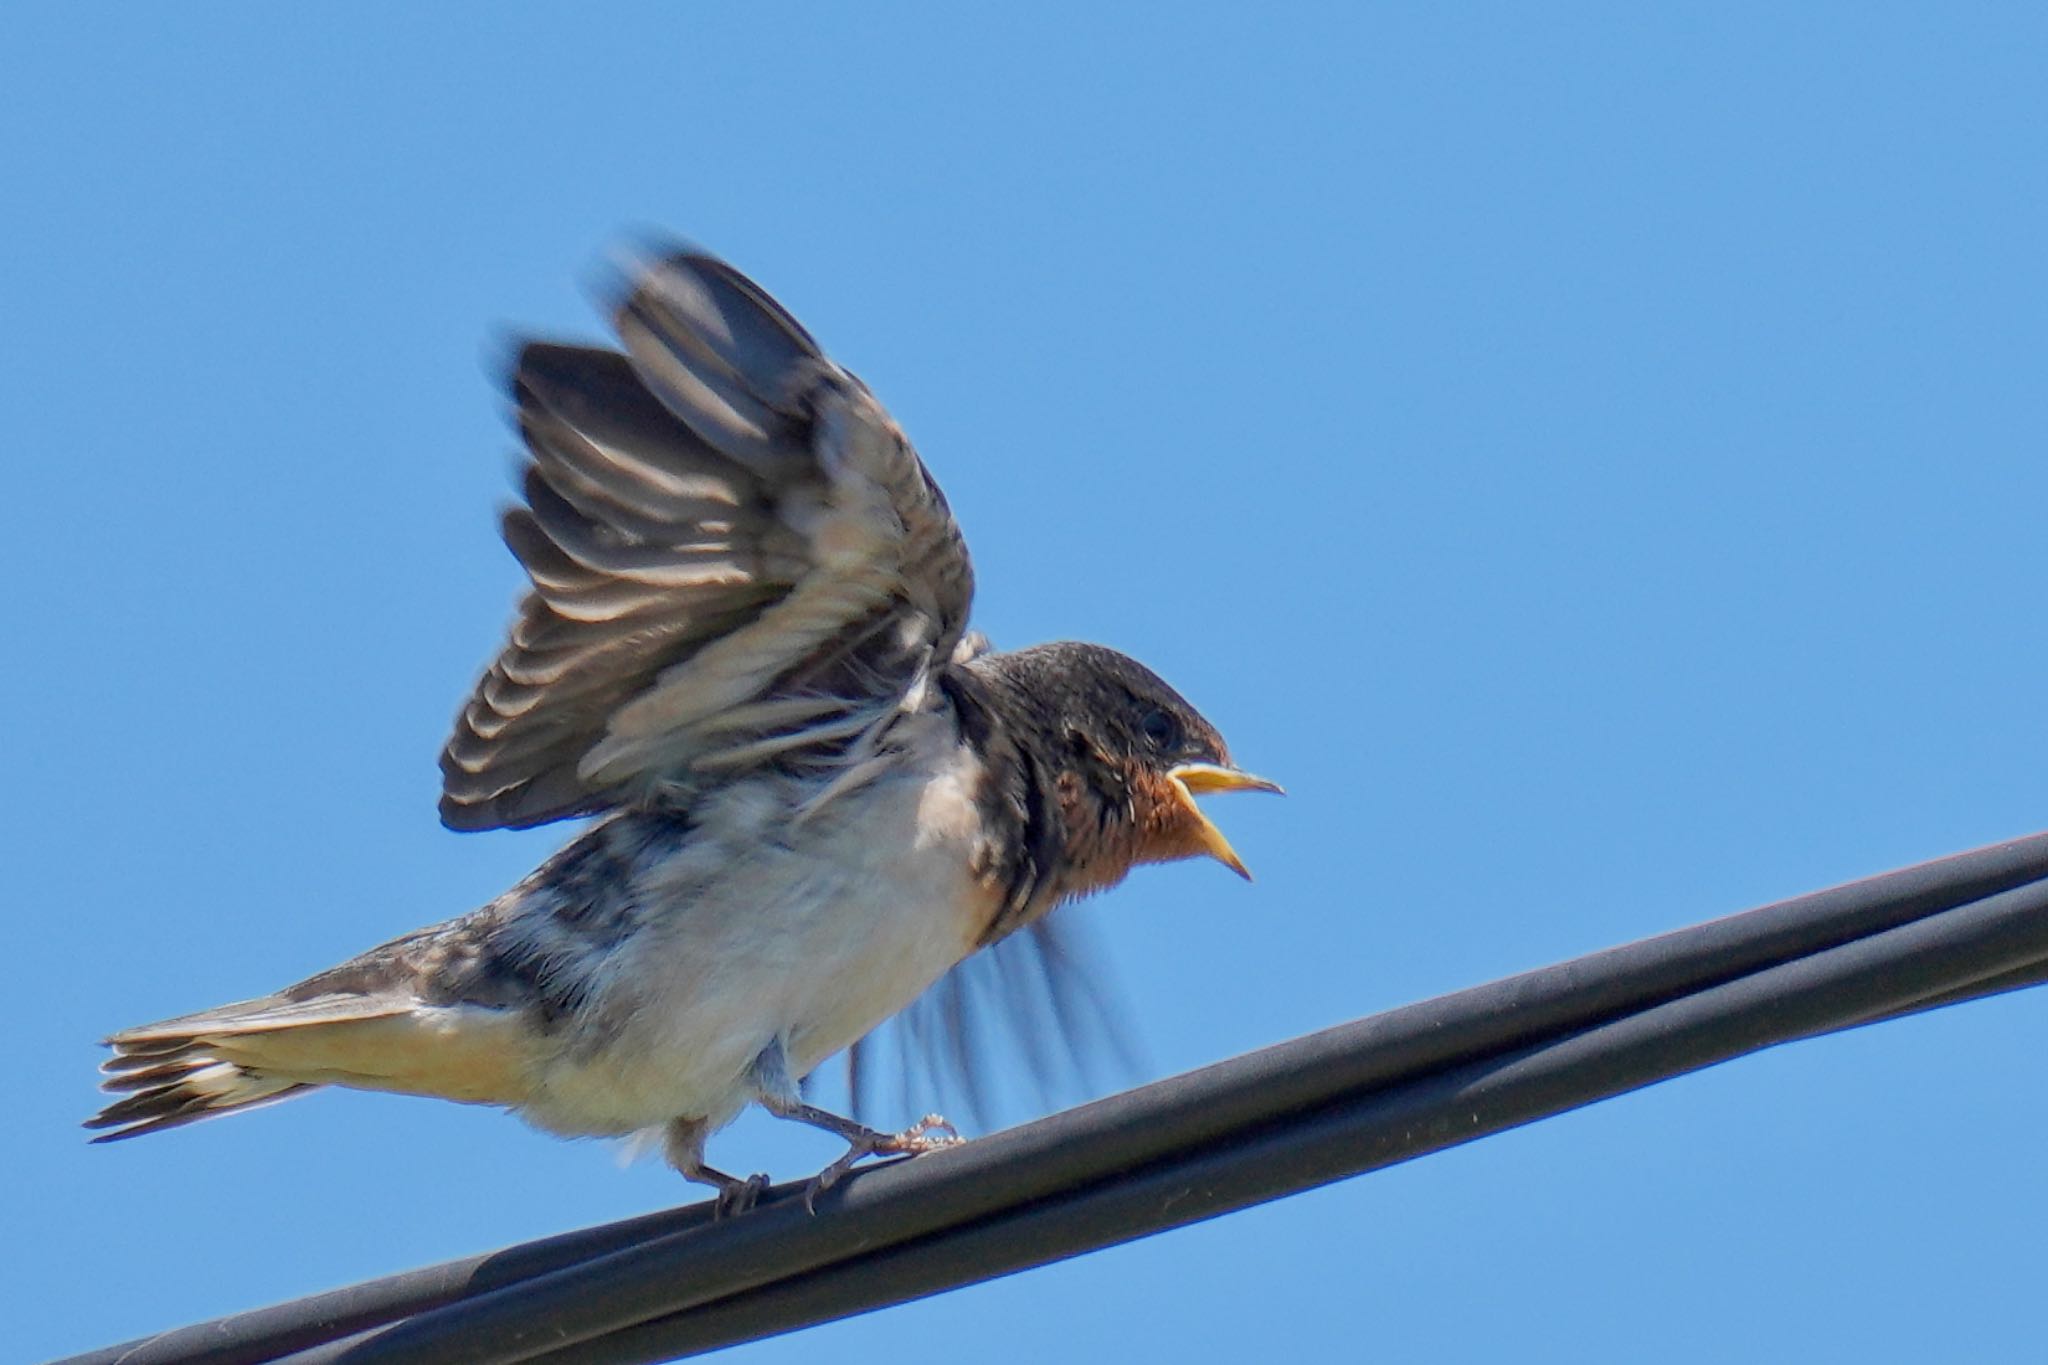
x,y
743,656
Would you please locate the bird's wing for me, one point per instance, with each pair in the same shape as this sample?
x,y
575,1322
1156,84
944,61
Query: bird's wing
x,y
1038,997
735,556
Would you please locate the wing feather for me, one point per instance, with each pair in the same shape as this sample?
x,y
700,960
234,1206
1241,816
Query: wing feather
x,y
1040,997
735,558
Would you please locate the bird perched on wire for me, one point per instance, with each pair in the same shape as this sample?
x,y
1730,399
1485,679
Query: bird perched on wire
x,y
745,651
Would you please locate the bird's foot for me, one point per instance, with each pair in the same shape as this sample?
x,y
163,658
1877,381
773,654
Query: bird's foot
x,y
736,1196
684,1139
929,1134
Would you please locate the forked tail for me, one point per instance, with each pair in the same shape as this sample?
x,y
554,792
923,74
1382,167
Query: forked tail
x,y
224,1060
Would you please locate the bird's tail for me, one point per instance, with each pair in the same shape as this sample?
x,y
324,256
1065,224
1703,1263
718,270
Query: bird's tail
x,y
228,1059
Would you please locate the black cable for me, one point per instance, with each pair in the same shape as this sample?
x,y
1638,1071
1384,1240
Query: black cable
x,y
1435,1108
667,1283
1377,1129
264,1334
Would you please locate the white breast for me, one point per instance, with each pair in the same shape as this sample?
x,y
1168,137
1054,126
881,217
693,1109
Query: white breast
x,y
763,929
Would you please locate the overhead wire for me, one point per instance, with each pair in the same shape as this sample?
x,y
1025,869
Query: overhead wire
x,y
1287,1118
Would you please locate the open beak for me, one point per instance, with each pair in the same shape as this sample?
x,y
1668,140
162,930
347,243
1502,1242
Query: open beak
x,y
1199,779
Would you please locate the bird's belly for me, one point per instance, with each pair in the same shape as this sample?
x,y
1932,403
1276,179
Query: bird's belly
x,y
810,940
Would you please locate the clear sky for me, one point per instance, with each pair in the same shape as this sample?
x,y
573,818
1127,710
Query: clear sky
x,y
1594,457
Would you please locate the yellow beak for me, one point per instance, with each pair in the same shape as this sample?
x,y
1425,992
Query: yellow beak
x,y
1199,779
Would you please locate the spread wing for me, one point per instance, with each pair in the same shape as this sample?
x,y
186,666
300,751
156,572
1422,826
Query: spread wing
x,y
735,556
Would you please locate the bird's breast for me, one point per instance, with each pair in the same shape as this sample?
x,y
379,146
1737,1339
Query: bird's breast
x,y
761,926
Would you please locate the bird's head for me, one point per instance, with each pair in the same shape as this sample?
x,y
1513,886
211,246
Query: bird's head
x,y
1133,755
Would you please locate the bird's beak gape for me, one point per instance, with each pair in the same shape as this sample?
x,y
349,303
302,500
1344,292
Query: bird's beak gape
x,y
1199,779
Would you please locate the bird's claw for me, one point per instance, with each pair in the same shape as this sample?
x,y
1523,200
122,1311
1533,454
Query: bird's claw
x,y
917,1139
929,1134
735,1197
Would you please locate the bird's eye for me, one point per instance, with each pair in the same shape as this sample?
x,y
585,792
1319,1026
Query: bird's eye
x,y
1162,730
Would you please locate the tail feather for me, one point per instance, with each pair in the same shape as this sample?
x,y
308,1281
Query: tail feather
x,y
156,1072
264,1015
201,1093
257,1052
180,1071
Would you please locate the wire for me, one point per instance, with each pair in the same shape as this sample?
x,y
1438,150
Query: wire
x,y
1274,1122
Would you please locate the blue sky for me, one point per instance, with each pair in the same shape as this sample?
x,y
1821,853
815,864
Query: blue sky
x,y
1593,457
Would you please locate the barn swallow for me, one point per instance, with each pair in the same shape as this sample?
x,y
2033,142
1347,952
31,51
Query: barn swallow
x,y
745,652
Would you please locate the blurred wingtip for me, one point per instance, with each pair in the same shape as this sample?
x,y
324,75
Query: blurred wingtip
x,y
1041,996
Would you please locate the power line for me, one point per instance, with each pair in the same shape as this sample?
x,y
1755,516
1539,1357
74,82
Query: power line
x,y
1270,1123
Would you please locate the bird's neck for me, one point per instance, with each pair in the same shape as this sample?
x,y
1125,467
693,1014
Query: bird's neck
x,y
1051,835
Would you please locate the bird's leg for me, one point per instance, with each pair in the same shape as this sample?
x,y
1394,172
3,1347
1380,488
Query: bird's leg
x,y
685,1146
928,1134
777,1092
